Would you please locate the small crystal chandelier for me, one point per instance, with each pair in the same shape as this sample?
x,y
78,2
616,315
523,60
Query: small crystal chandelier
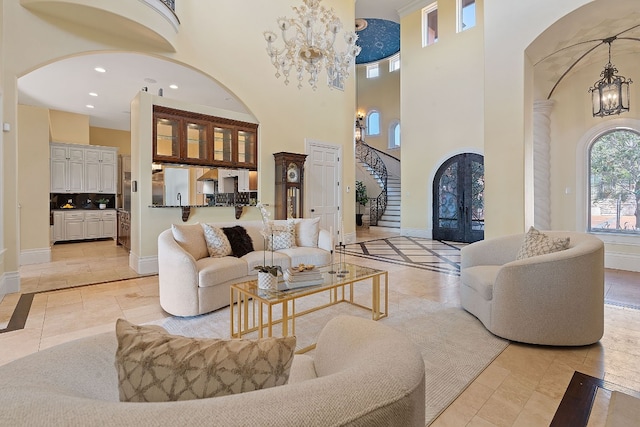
x,y
311,47
360,128
610,94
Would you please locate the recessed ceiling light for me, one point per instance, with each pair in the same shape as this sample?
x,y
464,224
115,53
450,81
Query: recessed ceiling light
x,y
100,70
93,94
90,106
150,80
173,86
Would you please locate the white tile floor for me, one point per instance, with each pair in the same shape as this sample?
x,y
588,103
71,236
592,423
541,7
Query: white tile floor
x,y
522,387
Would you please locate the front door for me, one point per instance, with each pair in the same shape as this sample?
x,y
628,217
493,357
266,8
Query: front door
x,y
458,199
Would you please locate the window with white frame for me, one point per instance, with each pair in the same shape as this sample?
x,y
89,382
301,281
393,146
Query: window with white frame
x,y
466,14
373,123
614,182
373,71
430,24
394,63
394,134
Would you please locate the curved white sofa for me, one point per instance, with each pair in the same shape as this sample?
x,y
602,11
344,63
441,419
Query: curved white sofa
x,y
196,285
363,373
551,299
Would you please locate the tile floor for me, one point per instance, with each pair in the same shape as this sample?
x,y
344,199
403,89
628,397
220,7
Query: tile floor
x,y
522,387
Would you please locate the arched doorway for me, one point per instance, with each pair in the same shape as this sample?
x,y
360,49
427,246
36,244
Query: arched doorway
x,y
458,199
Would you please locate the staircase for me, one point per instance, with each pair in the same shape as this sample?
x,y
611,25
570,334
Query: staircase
x,y
391,216
384,209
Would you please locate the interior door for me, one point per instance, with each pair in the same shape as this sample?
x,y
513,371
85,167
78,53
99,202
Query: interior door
x,y
458,199
322,178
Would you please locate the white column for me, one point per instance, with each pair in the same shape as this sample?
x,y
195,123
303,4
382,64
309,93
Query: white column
x,y
542,164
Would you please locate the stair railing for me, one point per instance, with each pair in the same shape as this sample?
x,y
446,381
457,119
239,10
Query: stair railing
x,y
369,156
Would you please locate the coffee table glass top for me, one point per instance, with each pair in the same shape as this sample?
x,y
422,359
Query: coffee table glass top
x,y
341,274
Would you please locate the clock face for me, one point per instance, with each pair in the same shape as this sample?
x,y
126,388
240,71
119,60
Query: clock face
x,y
292,173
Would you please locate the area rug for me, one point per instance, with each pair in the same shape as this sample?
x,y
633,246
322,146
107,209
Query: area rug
x,y
416,252
455,346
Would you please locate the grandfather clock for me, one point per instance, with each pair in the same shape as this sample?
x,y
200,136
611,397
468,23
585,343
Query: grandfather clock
x,y
289,196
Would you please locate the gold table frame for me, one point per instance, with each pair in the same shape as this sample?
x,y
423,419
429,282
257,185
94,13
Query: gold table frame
x,y
248,302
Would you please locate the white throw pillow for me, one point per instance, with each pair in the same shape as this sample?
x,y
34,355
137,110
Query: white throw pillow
x,y
191,238
307,232
283,236
537,243
217,242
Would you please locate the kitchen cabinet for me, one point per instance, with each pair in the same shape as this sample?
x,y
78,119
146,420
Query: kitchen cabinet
x,y
83,169
101,170
58,226
190,138
67,168
124,234
81,225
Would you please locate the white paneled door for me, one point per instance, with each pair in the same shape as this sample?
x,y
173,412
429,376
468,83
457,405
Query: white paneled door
x,y
323,175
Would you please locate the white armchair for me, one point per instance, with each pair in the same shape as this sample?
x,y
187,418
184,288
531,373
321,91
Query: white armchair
x,y
551,299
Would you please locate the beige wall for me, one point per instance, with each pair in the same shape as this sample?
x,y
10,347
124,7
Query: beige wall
x,y
441,104
68,127
111,138
33,180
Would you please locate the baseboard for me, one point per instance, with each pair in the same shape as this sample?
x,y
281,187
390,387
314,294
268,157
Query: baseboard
x,y
416,232
35,256
622,261
9,283
146,265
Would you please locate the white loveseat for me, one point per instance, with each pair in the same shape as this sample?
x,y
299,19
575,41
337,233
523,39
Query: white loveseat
x,y
191,282
551,299
363,373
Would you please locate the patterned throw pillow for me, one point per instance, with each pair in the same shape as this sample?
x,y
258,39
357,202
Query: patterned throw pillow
x,y
155,366
241,243
217,242
283,236
537,243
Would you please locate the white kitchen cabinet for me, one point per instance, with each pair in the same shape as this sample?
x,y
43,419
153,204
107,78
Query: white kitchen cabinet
x,y
73,225
81,225
101,170
67,168
83,169
58,226
243,180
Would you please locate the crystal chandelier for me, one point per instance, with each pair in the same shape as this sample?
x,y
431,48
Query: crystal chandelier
x,y
610,94
309,46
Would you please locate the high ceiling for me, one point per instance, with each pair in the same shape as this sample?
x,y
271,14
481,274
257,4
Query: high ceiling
x,y
65,85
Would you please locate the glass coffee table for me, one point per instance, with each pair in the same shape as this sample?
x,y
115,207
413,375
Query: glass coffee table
x,y
252,308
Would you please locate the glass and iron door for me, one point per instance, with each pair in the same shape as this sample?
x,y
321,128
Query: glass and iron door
x,y
458,199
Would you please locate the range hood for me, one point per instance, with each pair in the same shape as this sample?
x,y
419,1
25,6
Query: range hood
x,y
210,175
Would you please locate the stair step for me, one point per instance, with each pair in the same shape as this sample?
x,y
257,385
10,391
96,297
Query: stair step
x,y
389,224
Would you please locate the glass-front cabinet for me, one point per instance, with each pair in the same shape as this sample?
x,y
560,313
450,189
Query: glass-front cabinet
x,y
166,143
191,138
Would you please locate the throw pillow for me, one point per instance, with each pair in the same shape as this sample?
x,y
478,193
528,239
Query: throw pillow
x,y
155,366
537,243
241,243
191,238
217,243
282,236
307,232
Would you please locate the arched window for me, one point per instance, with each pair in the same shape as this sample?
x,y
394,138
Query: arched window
x,y
614,182
373,123
394,134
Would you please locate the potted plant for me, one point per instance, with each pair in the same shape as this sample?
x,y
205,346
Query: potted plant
x,y
361,199
267,274
102,203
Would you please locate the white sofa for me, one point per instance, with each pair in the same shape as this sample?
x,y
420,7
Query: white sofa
x,y
551,299
192,283
363,373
